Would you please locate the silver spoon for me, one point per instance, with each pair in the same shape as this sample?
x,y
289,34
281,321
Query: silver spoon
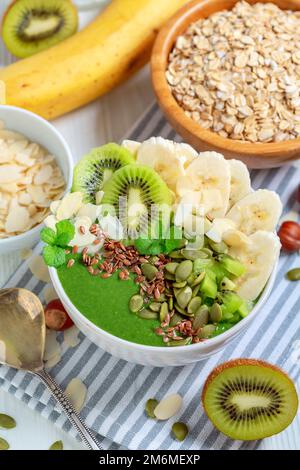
x,y
22,345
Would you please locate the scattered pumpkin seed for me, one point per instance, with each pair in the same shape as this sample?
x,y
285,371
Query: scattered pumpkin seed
x,y
218,247
293,274
183,271
149,271
190,279
179,285
176,318
176,254
176,291
196,290
161,298
180,431
194,305
206,331
184,296
169,276
7,422
136,303
201,317
198,279
179,342
150,406
4,445
171,267
179,309
57,445
196,244
171,303
163,311
215,313
155,306
147,314
207,251
153,259
191,254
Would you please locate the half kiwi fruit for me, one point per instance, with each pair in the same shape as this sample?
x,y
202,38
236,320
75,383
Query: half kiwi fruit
x,y
249,399
30,26
138,196
93,170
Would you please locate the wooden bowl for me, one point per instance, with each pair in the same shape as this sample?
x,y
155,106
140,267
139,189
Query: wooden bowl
x,y
255,155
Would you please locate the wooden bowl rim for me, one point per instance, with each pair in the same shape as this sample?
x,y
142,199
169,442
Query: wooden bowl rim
x,y
159,58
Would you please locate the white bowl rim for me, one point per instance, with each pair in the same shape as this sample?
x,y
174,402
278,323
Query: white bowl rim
x,y
37,228
216,341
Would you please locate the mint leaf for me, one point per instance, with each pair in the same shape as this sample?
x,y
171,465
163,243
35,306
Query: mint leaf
x,y
65,231
174,240
155,248
142,245
48,236
54,256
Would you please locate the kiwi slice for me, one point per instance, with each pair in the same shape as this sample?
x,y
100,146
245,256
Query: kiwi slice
x,y
249,399
139,196
30,26
93,170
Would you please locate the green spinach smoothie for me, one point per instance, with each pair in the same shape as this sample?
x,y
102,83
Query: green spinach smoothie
x,y
105,303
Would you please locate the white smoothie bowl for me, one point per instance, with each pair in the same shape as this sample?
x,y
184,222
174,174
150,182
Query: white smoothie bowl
x,y
41,131
153,355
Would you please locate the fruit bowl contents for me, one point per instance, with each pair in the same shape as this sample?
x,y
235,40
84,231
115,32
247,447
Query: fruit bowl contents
x,y
159,245
30,178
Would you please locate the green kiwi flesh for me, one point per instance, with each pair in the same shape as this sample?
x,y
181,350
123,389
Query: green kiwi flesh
x,y
30,26
248,399
144,195
93,170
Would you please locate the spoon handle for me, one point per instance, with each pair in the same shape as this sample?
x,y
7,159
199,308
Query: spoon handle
x,y
84,432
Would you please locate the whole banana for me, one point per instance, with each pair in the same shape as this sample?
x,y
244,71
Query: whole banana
x,y
90,63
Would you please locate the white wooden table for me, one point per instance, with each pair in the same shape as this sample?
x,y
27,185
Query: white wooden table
x,y
107,119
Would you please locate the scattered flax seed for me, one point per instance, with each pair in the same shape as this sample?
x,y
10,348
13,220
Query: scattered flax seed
x,y
82,229
75,249
237,72
70,263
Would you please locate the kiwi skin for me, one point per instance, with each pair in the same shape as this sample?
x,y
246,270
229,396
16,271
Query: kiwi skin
x,y
243,362
22,53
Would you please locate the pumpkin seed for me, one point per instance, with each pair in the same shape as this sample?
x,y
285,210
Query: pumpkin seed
x,y
155,306
4,445
183,271
179,285
180,342
57,445
198,279
215,313
179,309
195,244
206,251
194,305
184,296
147,314
176,254
206,331
218,247
196,290
180,431
136,303
150,406
169,276
227,284
171,267
153,259
176,318
191,254
149,271
293,274
171,303
201,317
190,279
161,298
163,312
176,291
7,422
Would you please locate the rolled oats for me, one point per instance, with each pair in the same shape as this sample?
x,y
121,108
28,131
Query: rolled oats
x,y
237,72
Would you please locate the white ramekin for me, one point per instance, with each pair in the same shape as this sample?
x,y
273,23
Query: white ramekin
x,y
41,131
152,355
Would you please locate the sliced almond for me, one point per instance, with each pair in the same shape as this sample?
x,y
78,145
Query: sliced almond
x,y
9,173
69,206
71,337
43,175
168,407
39,269
76,391
17,219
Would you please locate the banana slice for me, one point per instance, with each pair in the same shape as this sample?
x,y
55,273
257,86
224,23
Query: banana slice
x,y
259,210
219,227
259,257
240,183
210,174
131,145
235,238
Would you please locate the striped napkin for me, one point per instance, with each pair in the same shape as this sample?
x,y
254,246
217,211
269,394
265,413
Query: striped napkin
x,y
117,390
